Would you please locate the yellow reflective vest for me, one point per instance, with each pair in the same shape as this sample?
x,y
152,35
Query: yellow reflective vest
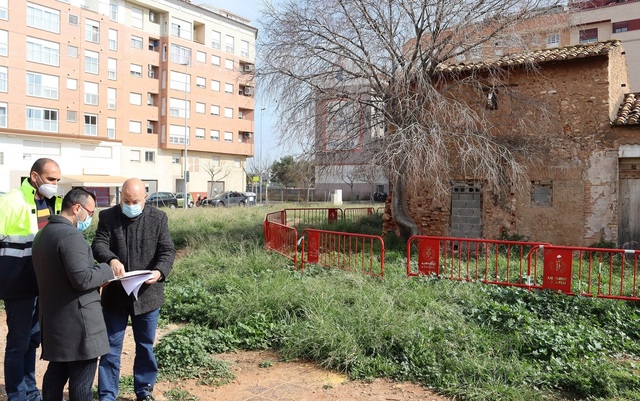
x,y
18,227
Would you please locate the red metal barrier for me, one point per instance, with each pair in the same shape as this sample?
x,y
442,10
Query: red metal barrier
x,y
512,263
355,213
592,272
282,239
305,217
346,251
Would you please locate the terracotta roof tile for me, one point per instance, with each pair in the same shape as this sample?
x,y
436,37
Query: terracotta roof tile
x,y
538,56
629,111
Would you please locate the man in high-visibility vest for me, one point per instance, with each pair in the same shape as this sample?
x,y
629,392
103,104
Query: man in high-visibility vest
x,y
23,212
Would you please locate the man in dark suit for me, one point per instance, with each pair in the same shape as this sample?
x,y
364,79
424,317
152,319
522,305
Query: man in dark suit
x,y
133,236
73,331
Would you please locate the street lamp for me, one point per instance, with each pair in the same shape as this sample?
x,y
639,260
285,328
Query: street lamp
x,y
186,134
260,153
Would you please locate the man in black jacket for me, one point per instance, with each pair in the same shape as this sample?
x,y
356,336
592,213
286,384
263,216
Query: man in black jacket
x,y
134,237
73,330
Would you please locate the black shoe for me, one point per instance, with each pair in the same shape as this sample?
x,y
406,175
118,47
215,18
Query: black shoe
x,y
147,398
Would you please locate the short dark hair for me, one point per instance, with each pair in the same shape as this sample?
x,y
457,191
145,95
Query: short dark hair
x,y
77,195
38,165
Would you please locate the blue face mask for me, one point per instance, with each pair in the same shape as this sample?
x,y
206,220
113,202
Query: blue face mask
x,y
83,225
131,211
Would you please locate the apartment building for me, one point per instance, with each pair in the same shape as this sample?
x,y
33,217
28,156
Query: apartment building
x,y
112,89
602,20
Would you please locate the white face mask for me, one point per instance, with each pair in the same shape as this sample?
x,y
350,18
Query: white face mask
x,y
47,190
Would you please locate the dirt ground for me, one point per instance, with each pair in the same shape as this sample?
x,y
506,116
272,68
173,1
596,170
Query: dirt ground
x,y
261,376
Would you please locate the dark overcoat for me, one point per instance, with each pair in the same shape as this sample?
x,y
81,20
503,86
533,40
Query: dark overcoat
x,y
71,321
140,243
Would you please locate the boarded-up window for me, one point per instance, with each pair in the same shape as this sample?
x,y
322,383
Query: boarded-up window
x,y
541,194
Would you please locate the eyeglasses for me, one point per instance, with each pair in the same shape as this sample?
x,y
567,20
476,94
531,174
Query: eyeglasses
x,y
87,210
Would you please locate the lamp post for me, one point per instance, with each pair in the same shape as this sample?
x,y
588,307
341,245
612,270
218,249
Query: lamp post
x,y
260,153
186,134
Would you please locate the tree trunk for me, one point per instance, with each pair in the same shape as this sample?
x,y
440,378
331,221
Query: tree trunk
x,y
399,209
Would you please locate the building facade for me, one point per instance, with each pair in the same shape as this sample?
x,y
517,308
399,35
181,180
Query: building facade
x,y
113,89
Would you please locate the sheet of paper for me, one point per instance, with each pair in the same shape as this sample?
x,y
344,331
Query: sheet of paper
x,y
133,280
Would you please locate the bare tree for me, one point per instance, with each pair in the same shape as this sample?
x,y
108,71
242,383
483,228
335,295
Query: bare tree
x,y
216,171
348,68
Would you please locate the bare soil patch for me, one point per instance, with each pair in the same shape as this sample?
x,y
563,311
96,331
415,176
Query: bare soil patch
x,y
261,376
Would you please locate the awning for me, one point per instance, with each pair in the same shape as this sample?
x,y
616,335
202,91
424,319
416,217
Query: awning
x,y
87,180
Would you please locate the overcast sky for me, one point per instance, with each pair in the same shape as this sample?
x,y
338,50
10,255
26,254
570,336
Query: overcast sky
x,y
264,120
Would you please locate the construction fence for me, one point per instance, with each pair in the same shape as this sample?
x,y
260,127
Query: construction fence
x,y
591,272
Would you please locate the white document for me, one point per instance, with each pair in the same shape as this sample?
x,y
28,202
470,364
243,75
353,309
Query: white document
x,y
133,280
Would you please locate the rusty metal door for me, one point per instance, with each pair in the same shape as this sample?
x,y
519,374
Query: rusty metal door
x,y
629,203
466,210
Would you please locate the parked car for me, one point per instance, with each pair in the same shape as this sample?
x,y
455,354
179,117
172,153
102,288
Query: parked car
x,y
229,198
180,196
162,199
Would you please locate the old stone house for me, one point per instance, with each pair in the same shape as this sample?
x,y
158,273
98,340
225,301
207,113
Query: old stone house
x,y
583,186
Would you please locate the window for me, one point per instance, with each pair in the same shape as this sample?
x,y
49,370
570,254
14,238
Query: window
x,y
620,27
112,69
3,115
41,85
215,60
113,39
228,64
73,19
228,44
541,194
43,18
228,112
72,116
4,43
134,155
181,28
228,136
177,134
43,51
150,127
553,40
180,81
589,35
201,57
215,161
214,135
492,98
135,127
135,70
201,82
180,54
72,51
137,16
236,163
72,84
91,93
136,42
92,31
200,108
4,9
113,11
111,98
215,85
215,40
149,157
200,133
4,79
111,128
179,108
39,119
175,158
244,48
90,62
135,99
215,110
228,88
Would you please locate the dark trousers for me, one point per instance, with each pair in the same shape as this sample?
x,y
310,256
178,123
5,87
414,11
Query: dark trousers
x,y
80,375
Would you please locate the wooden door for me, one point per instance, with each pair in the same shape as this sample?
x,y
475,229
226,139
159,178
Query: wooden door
x,y
629,203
